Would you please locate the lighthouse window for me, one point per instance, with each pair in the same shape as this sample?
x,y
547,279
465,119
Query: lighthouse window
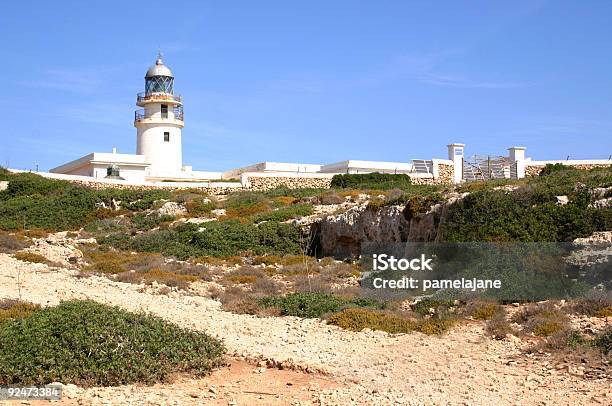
x,y
166,137
164,111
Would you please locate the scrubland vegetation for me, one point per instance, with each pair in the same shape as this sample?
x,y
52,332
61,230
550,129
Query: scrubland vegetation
x,y
253,256
87,343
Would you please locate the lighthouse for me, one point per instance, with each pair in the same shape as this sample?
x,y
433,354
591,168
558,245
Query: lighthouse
x,y
159,123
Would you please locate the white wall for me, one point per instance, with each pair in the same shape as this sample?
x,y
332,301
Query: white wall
x,y
164,157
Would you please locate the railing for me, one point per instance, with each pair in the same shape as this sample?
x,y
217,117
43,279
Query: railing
x,y
139,115
422,166
140,97
177,112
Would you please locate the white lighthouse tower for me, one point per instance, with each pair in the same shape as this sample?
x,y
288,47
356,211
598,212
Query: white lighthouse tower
x,y
159,123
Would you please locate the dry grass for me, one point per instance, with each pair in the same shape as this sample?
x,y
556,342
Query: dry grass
x,y
15,309
31,257
12,242
499,327
542,319
484,310
245,275
331,197
284,200
357,319
241,213
215,261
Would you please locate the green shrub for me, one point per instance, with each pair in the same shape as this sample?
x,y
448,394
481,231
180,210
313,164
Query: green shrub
x,y
86,343
200,207
604,341
148,221
424,306
217,239
552,168
531,213
301,193
32,201
285,213
375,180
314,304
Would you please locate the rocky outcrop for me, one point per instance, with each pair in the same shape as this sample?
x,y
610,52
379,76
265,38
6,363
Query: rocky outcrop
x,y
344,235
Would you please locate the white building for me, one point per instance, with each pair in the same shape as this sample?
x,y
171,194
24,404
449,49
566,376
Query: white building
x,y
159,151
159,155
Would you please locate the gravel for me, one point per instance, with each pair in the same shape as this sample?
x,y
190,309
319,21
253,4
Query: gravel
x,y
461,367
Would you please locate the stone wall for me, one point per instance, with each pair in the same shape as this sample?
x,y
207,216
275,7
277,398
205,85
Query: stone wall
x,y
534,170
262,183
445,176
124,186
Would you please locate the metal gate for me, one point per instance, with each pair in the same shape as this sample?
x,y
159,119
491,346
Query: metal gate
x,y
486,167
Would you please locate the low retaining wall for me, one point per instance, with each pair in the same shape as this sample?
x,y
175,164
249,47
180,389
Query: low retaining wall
x,y
268,181
534,168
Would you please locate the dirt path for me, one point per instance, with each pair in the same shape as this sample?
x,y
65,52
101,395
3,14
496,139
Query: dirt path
x,y
462,367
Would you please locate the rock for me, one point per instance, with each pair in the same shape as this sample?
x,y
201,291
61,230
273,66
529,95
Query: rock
x,y
4,185
172,209
346,234
602,203
218,212
562,200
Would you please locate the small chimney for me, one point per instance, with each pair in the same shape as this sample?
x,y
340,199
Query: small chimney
x,y
114,150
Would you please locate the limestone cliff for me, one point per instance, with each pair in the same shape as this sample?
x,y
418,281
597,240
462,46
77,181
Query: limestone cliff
x,y
343,235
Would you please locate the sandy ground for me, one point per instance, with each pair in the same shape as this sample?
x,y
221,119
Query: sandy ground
x,y
464,367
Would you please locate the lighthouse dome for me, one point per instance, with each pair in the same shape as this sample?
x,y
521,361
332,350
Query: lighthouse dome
x,y
159,69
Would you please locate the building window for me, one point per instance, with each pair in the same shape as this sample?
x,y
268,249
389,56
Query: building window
x,y
166,137
164,111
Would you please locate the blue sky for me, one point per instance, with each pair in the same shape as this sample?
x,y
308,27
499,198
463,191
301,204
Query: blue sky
x,y
310,81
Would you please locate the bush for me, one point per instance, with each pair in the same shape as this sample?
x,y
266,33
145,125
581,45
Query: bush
x,y
593,304
285,213
531,213
480,310
499,327
218,239
167,278
11,309
565,338
10,243
245,274
356,319
32,201
314,304
86,343
542,319
423,307
552,168
200,207
604,341
149,221
373,180
330,197
31,257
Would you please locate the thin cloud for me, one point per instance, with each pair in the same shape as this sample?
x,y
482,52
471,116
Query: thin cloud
x,y
67,80
456,81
